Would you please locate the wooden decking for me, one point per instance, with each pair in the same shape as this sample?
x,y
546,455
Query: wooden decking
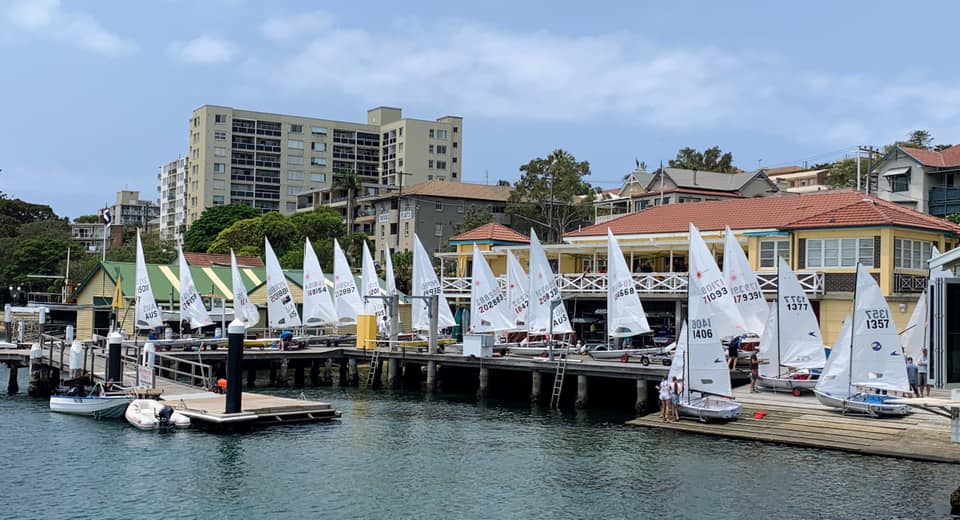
x,y
802,421
208,410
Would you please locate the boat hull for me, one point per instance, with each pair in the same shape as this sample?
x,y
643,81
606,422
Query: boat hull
x,y
710,409
108,407
786,383
858,403
142,414
530,351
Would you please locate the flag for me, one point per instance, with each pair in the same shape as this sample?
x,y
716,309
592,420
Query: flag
x,y
118,295
107,217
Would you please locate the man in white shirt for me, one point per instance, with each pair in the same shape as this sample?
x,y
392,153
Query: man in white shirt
x,y
922,364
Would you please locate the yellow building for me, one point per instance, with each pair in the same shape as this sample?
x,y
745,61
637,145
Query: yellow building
x,y
822,235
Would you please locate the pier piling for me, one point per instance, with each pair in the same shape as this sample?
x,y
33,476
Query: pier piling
x,y
536,385
343,372
299,375
236,332
273,374
114,348
431,375
251,375
581,391
13,386
315,373
328,371
353,374
641,403
484,382
393,373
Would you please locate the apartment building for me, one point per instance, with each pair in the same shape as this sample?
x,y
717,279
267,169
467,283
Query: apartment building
x,y
173,201
130,210
266,160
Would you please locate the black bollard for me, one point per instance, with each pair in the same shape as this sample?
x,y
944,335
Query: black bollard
x,y
236,331
114,365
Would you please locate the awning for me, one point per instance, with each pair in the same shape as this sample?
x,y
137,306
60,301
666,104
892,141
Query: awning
x,y
896,171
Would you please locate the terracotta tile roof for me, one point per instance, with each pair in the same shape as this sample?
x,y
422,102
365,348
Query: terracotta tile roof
x,y
459,190
773,172
492,231
208,259
815,210
948,157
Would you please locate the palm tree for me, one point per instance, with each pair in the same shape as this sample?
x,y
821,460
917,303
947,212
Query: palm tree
x,y
351,182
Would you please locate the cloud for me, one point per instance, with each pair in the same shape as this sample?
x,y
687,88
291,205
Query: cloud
x,y
46,19
203,49
289,28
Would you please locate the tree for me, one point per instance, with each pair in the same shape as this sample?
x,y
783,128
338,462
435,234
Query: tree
x,y
155,251
476,216
548,196
919,139
955,218
710,160
403,270
15,212
843,173
201,234
87,219
353,184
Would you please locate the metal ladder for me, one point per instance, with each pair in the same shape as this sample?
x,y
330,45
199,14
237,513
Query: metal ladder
x,y
558,379
374,365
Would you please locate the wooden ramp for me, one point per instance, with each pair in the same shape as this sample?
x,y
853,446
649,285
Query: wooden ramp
x,y
207,410
802,421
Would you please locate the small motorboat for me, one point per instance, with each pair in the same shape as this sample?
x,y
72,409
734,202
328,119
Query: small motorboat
x,y
149,414
100,402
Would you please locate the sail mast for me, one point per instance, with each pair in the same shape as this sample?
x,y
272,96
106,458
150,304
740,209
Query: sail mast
x,y
779,354
853,333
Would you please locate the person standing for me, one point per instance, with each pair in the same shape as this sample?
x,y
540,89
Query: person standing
x,y
733,350
754,371
664,390
676,388
922,372
912,376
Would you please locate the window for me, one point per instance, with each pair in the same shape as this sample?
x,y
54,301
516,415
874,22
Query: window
x,y
430,164
219,167
294,144
453,174
318,130
393,228
219,151
219,184
430,148
442,135
400,131
441,149
383,230
454,160
318,177
429,177
771,249
454,144
220,136
441,178
291,207
293,190
218,199
294,175
441,165
438,230
406,229
318,161
438,206
295,159
460,207
455,129
318,147
839,252
296,129
220,119
430,133
899,182
911,254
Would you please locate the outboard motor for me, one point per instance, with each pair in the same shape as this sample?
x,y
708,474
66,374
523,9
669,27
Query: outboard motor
x,y
164,414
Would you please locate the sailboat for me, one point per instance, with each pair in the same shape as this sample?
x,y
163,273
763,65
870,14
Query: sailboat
x,y
192,309
489,308
425,283
743,284
146,310
917,333
318,307
346,296
370,286
281,309
707,390
543,292
625,315
791,348
243,309
517,284
867,358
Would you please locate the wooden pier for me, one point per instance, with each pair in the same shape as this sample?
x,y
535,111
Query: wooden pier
x,y
803,421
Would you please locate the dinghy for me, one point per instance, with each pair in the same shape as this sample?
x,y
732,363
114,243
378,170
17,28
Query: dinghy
x,y
791,349
426,283
866,362
625,315
543,316
150,414
98,402
707,392
743,284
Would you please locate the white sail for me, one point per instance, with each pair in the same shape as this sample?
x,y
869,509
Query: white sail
x,y
370,286
425,283
835,378
801,345
243,309
346,296
543,290
710,314
877,359
769,351
517,284
742,282
625,314
914,336
489,308
317,304
281,309
147,312
678,364
191,304
391,280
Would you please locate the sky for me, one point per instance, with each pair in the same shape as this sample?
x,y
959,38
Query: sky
x,y
95,96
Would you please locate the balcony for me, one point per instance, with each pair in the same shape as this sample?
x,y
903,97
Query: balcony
x,y
944,201
648,284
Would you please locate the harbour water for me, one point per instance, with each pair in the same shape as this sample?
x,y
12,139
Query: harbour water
x,y
408,455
